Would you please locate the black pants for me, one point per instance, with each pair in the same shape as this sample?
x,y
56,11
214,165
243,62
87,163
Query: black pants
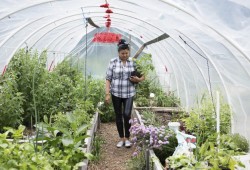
x,y
123,108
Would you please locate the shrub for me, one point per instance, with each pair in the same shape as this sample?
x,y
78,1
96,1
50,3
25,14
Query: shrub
x,y
240,142
11,102
166,150
107,113
137,162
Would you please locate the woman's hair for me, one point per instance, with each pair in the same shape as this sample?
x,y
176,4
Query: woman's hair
x,y
122,45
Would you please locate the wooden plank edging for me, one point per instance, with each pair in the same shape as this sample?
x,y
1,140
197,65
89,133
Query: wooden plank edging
x,y
89,140
156,162
161,109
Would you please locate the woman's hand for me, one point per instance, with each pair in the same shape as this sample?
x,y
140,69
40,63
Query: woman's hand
x,y
134,79
107,99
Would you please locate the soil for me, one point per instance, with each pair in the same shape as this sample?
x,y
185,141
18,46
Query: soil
x,y
163,118
112,158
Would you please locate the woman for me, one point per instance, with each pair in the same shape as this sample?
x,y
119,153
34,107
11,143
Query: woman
x,y
121,89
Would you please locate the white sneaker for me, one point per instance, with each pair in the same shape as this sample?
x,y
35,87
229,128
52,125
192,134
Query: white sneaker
x,y
120,144
127,144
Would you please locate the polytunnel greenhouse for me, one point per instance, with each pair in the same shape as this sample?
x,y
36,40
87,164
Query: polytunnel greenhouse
x,y
191,103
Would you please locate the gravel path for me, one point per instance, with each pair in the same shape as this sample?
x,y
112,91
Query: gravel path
x,y
112,158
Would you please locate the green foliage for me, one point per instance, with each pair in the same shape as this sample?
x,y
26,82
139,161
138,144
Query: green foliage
x,y
11,102
161,99
59,152
55,94
66,69
142,101
29,70
149,118
202,121
28,86
143,89
166,100
219,158
81,115
151,85
241,142
138,162
96,152
64,143
96,90
15,134
185,162
96,93
166,150
144,64
20,156
107,113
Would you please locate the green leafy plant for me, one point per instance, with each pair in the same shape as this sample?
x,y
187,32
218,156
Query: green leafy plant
x,y
15,134
65,145
96,90
137,162
107,112
15,155
201,121
144,64
218,157
142,101
166,150
185,162
149,118
29,69
161,99
241,142
166,100
11,102
96,152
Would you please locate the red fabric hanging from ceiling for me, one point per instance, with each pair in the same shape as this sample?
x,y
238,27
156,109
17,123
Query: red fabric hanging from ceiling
x,y
105,5
106,37
108,24
107,16
109,11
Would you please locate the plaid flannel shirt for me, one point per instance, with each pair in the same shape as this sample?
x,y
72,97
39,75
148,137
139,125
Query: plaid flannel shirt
x,y
118,75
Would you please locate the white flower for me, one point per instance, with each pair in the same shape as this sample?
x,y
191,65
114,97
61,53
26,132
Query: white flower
x,y
100,104
152,95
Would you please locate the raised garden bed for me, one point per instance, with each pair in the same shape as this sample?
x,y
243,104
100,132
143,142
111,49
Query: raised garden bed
x,y
156,164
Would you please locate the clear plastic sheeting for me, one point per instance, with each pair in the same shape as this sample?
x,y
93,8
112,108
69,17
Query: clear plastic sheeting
x,y
204,36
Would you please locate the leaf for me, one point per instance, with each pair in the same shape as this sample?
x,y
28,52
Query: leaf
x,y
81,129
67,141
81,164
232,164
70,117
4,145
241,164
89,156
80,138
45,118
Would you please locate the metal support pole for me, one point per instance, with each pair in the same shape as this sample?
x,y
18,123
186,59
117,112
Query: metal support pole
x,y
86,44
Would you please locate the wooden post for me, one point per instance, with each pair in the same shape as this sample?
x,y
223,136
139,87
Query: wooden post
x,y
218,117
166,165
147,159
